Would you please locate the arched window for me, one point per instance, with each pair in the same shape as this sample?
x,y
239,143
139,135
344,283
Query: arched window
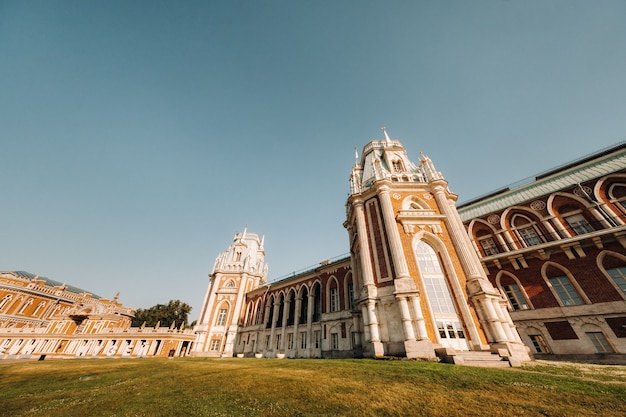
x,y
292,308
614,265
270,316
333,295
39,307
5,300
349,291
617,194
563,286
317,302
230,284
257,314
513,291
304,305
222,315
25,305
527,230
281,310
439,296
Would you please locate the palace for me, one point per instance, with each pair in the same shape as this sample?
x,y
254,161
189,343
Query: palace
x,y
554,247
42,318
537,269
413,285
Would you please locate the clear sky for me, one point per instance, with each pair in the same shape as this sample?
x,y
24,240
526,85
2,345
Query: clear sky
x,y
137,137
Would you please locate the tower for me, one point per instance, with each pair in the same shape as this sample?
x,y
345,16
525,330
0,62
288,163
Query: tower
x,y
418,280
236,271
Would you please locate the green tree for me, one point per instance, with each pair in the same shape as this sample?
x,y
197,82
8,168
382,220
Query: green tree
x,y
165,314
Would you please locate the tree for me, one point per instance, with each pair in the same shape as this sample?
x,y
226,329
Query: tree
x,y
165,314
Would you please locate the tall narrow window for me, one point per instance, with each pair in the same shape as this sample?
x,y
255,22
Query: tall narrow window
x,y
316,337
566,291
515,296
579,224
440,298
334,299
599,342
215,345
39,307
619,277
5,300
303,340
334,341
290,341
24,306
350,295
221,317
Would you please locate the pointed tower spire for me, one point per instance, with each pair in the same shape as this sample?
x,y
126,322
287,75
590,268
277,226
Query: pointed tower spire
x,y
262,241
356,157
245,229
387,140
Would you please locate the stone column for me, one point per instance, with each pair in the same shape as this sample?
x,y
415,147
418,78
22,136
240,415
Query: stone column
x,y
309,323
407,323
395,245
419,318
296,324
287,303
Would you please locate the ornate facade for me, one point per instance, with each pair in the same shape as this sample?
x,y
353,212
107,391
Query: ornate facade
x,y
42,318
412,286
555,248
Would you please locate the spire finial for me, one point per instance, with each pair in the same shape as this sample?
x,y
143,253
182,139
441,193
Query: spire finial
x,y
384,129
356,157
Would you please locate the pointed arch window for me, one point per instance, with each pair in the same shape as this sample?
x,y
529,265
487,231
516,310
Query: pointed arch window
x,y
397,165
618,275
221,317
39,307
434,280
565,291
317,302
333,295
24,306
527,230
5,301
292,308
304,306
515,296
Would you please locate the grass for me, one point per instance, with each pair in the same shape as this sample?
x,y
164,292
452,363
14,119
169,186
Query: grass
x,y
301,387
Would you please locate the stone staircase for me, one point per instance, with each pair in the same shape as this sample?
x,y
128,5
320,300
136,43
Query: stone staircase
x,y
483,359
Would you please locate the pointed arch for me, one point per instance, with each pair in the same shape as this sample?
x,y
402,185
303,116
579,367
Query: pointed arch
x,y
269,311
413,202
572,213
230,284
613,266
332,295
513,291
291,314
444,295
484,237
303,294
221,319
281,309
563,285
5,300
316,290
348,291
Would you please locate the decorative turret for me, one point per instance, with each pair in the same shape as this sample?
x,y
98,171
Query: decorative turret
x,y
386,160
239,269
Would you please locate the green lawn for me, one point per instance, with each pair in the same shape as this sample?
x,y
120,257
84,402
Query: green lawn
x,y
300,387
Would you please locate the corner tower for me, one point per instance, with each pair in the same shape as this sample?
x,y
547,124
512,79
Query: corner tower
x,y
238,270
419,282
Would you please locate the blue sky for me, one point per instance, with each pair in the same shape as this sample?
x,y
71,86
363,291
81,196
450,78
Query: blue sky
x,y
138,136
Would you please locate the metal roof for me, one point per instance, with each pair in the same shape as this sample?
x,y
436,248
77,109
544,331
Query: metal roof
x,y
593,166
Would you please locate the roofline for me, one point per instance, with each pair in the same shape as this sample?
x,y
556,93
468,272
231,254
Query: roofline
x,y
546,174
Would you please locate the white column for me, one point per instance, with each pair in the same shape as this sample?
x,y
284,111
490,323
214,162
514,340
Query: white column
x,y
419,318
409,334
